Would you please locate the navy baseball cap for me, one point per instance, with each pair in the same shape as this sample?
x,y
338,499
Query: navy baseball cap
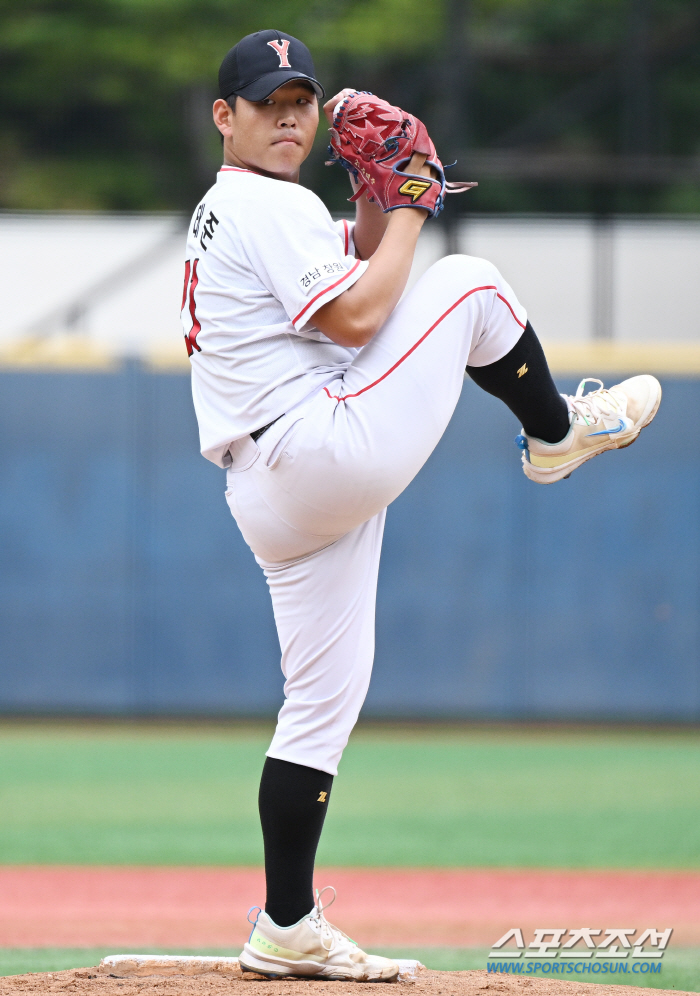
x,y
264,61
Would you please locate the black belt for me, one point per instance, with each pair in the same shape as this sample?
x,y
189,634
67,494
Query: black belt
x,y
258,432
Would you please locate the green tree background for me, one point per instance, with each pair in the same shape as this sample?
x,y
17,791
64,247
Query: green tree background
x,y
105,104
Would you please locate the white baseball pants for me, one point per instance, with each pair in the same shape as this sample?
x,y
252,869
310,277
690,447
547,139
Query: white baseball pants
x,y
310,496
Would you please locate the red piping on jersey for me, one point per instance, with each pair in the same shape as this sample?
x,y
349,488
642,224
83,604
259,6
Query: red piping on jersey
x,y
501,298
186,284
191,340
336,397
325,291
234,169
347,236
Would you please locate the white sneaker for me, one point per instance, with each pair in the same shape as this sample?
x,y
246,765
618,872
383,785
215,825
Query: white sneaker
x,y
313,947
602,420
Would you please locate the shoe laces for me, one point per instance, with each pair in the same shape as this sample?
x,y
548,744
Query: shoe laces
x,y
327,931
597,404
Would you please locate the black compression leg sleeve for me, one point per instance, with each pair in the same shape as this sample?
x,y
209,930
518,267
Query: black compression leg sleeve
x,y
293,800
522,380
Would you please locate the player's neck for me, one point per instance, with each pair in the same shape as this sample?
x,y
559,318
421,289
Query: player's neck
x,y
231,159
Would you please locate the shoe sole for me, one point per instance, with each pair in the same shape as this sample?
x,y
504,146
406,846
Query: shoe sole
x,y
540,476
260,968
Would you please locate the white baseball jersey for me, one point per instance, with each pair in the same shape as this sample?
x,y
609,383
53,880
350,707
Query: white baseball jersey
x,y
262,256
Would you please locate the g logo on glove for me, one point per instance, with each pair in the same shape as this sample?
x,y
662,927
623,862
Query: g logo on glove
x,y
414,188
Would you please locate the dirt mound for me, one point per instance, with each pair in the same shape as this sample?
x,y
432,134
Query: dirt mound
x,y
91,981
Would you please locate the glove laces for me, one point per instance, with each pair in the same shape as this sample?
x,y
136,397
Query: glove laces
x,y
594,406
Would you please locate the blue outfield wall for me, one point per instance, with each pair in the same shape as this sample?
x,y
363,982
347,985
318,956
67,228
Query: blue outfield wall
x,y
126,587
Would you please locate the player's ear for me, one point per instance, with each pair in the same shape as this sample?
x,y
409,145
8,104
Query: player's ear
x,y
222,112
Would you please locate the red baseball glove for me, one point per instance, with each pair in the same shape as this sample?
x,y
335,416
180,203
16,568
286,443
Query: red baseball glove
x,y
375,141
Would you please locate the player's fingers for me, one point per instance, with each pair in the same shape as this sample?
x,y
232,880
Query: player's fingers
x,y
330,105
417,165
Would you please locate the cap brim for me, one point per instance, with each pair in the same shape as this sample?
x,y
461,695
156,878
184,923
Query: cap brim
x,y
267,84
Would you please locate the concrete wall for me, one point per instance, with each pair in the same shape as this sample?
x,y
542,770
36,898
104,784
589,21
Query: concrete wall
x,y
126,588
125,274
650,267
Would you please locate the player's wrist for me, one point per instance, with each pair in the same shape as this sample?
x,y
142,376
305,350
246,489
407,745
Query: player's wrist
x,y
408,218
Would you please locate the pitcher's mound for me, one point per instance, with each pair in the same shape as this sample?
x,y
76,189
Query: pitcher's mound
x,y
84,981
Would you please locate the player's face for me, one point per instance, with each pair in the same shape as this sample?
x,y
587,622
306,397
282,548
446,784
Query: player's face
x,y
272,136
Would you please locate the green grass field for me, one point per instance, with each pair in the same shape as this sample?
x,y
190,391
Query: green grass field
x,y
404,797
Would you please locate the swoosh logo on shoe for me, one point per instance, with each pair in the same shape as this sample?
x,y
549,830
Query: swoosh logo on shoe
x,y
606,432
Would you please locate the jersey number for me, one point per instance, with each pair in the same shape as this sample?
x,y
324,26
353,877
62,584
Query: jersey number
x,y
191,281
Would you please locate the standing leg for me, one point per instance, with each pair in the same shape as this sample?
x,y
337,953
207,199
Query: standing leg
x,y
293,801
324,611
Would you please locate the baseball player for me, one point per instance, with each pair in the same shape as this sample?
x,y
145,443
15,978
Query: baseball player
x,y
323,392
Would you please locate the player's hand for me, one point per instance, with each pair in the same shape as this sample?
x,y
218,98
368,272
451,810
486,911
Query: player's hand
x,y
329,106
417,164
